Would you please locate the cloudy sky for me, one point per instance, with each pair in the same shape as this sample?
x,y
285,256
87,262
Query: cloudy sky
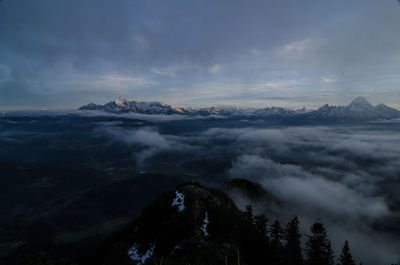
x,y
62,54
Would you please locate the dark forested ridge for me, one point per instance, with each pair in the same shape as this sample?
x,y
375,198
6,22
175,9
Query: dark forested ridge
x,y
197,225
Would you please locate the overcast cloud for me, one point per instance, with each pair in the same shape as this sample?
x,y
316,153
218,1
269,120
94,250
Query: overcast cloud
x,y
61,54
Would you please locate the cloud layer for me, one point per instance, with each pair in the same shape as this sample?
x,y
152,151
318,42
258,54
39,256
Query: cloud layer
x,y
345,177
290,53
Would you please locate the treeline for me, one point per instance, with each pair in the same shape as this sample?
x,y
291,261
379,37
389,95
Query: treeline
x,y
283,245
263,244
256,242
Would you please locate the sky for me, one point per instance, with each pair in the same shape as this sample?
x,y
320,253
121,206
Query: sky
x,y
254,53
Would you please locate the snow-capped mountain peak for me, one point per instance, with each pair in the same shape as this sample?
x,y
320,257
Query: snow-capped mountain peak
x,y
121,101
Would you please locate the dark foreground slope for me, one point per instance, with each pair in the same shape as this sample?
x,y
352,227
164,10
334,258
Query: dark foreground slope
x,y
198,225
73,222
192,225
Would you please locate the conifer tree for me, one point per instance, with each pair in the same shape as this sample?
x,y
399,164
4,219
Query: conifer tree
x,y
346,258
292,249
260,222
330,254
276,246
261,239
249,213
318,247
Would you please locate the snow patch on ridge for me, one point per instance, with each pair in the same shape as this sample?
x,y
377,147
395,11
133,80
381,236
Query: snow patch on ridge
x,y
205,225
179,201
133,253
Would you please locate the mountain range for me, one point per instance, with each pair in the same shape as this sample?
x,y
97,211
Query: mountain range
x,y
358,110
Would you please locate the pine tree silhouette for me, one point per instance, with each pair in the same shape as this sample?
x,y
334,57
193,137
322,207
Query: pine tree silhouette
x,y
276,246
249,213
318,247
261,239
292,249
330,254
260,222
346,258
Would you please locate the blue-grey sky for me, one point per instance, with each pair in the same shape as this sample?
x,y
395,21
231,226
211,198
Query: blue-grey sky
x,y
62,54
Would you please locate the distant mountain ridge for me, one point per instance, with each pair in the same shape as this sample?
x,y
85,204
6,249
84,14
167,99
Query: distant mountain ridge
x,y
358,110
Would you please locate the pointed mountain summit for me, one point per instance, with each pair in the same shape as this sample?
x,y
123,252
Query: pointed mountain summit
x,y
360,101
360,104
388,112
121,101
361,109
